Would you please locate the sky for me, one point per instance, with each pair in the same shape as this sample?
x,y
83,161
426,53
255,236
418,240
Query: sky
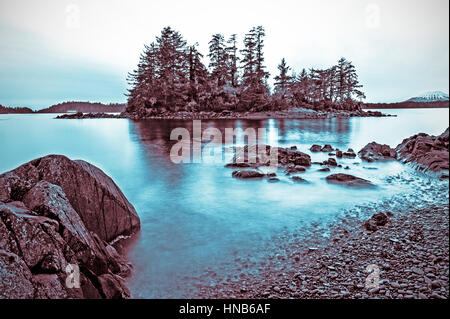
x,y
82,50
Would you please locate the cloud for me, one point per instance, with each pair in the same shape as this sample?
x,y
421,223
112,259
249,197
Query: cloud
x,y
400,48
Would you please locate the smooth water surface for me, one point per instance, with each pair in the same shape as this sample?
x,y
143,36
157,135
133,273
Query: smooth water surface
x,y
199,223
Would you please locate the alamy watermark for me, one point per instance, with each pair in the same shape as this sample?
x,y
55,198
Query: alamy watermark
x,y
73,276
208,144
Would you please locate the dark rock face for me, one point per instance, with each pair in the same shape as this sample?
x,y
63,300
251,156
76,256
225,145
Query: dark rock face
x,y
376,152
41,233
93,195
348,180
429,153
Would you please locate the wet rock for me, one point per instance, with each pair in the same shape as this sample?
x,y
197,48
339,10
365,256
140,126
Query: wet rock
x,y
339,154
425,151
295,169
331,162
376,152
247,174
238,165
327,148
298,179
349,154
273,179
315,148
348,180
324,169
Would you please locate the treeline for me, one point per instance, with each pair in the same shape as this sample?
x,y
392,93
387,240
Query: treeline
x,y
85,107
14,110
171,76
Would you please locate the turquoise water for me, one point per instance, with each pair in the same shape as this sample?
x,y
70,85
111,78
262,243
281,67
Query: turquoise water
x,y
199,224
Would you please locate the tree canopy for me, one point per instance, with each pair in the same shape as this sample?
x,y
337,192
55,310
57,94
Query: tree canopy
x,y
171,76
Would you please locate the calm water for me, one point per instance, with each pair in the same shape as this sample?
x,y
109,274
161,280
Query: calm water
x,y
199,225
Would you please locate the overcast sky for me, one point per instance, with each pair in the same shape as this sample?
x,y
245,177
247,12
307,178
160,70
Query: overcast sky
x,y
54,51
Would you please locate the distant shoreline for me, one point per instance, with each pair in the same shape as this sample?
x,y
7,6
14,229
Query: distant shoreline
x,y
408,105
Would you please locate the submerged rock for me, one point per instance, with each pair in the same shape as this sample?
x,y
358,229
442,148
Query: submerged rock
x,y
375,152
429,153
247,174
298,179
348,180
42,232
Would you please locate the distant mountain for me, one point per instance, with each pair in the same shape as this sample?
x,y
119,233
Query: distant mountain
x,y
430,97
85,107
14,110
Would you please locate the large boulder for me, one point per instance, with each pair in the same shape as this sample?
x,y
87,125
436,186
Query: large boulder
x,y
41,232
428,153
93,195
376,152
348,180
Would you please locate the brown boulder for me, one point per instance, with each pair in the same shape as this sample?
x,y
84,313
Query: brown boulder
x,y
92,194
348,180
375,152
427,153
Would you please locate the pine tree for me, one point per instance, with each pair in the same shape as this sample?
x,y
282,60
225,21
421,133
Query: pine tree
x,y
218,59
283,80
232,60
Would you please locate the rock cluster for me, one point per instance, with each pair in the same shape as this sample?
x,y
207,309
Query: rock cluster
x,y
81,115
56,213
376,152
428,153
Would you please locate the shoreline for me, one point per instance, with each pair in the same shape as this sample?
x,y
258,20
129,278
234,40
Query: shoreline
x,y
411,253
230,115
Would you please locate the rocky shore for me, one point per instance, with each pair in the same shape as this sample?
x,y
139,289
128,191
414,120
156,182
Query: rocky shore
x,y
81,115
294,113
61,218
406,256
407,250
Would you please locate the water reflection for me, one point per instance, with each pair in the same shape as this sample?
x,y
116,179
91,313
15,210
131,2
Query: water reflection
x,y
199,223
